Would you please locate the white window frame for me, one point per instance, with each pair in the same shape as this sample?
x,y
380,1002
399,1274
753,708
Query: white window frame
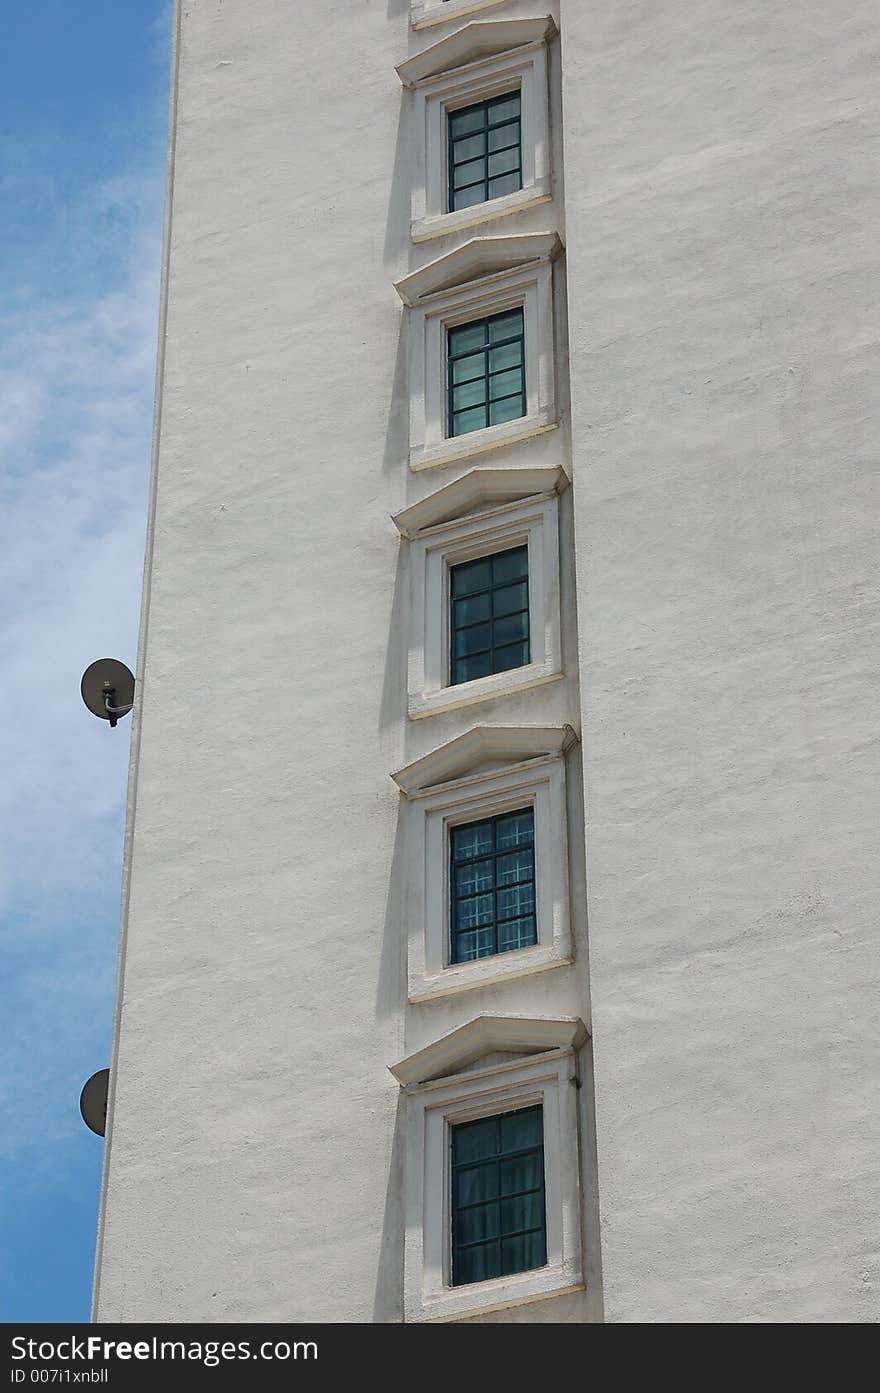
x,y
527,286
524,70
533,522
510,1079
537,782
425,13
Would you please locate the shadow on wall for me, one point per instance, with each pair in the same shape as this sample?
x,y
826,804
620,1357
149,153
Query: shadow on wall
x,y
388,1300
391,983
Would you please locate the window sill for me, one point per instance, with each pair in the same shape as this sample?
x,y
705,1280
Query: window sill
x,y
499,1295
462,447
426,13
463,977
500,684
446,224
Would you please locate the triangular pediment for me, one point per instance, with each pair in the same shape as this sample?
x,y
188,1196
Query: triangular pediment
x,y
481,488
479,750
489,1041
480,257
481,39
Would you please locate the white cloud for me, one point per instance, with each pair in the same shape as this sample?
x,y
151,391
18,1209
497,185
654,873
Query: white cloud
x,y
76,388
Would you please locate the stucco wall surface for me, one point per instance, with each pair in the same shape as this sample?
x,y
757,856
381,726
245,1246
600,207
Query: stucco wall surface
x,y
722,208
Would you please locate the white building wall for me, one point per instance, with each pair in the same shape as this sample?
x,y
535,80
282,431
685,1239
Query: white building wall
x,y
722,262
254,1152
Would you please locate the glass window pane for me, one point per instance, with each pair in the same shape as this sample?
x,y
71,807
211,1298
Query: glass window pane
x,y
473,172
474,147
469,421
504,384
467,337
511,656
522,1253
516,829
475,912
510,629
471,394
506,326
479,943
477,1183
473,1225
475,640
519,1130
475,840
473,1141
509,410
468,198
504,108
504,162
516,933
471,118
471,610
521,1173
511,598
516,900
477,1264
510,565
515,867
474,876
504,183
470,368
470,669
502,136
508,356
524,1212
471,576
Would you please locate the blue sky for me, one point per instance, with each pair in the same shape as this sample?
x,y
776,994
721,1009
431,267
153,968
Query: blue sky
x,y
83,90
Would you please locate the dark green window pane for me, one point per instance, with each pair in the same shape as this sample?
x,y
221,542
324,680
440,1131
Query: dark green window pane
x,y
511,656
516,933
463,422
471,577
475,877
477,135
513,628
516,829
505,326
510,599
473,148
470,669
509,355
522,1253
492,886
461,123
492,1236
470,394
477,639
504,184
501,411
474,840
510,565
506,384
472,610
468,337
471,368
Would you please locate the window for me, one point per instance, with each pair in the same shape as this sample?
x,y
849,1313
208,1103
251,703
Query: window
x,y
498,1219
486,373
492,1172
482,370
483,562
485,829
481,109
485,151
492,895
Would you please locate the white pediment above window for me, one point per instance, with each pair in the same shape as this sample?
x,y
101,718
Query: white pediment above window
x,y
482,749
472,43
483,487
475,260
493,1041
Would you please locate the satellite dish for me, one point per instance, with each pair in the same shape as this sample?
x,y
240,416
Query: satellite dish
x,y
93,1101
108,689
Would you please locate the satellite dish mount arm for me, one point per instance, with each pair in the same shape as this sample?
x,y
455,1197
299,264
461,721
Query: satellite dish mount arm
x,y
113,712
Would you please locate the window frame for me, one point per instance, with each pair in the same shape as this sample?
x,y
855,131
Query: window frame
x,y
499,1082
453,930
523,66
429,813
487,349
485,104
425,14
